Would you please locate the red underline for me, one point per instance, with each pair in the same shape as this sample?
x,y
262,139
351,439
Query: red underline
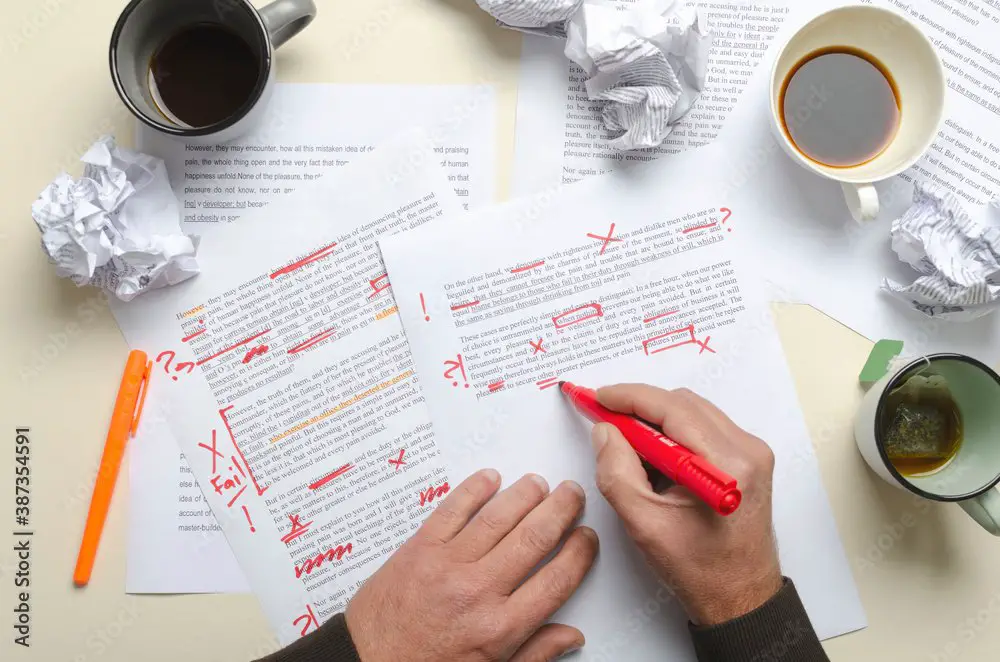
x,y
699,227
318,255
526,268
326,479
465,305
193,335
315,340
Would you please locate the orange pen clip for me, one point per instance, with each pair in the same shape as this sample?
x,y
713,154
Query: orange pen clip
x,y
124,422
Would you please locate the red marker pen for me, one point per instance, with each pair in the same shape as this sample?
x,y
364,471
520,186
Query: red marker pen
x,y
713,486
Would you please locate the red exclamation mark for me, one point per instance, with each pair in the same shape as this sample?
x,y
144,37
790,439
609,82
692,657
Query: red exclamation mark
x,y
249,521
423,306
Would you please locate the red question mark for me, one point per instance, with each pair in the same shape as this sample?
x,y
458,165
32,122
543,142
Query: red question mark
x,y
728,212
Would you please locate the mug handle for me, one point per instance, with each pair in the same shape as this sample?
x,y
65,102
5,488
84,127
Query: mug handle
x,y
862,200
985,509
286,18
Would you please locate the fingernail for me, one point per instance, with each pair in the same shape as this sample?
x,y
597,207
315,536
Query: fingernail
x,y
491,475
599,436
575,486
541,482
570,651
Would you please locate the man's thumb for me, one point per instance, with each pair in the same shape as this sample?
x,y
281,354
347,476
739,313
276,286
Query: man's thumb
x,y
620,476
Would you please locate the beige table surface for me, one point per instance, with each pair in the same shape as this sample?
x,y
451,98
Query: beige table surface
x,y
928,577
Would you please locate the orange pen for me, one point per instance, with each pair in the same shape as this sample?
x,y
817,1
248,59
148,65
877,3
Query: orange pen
x,y
124,420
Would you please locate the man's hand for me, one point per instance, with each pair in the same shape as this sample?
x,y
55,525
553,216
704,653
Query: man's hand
x,y
719,567
462,588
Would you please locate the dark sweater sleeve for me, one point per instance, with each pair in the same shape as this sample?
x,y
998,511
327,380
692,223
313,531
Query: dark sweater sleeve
x,y
330,643
777,630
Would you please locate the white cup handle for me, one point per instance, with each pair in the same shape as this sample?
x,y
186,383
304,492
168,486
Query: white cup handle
x,y
862,200
985,509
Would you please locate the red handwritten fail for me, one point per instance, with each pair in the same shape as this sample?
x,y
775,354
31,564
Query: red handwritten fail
x,y
379,284
260,350
234,479
669,340
298,529
326,251
728,212
536,347
310,621
312,342
423,307
528,267
340,471
495,386
249,521
547,383
650,320
213,449
330,555
577,315
432,493
463,306
398,462
703,344
232,347
253,479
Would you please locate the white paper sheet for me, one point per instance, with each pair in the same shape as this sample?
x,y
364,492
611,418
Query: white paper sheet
x,y
559,136
334,123
285,378
175,544
623,281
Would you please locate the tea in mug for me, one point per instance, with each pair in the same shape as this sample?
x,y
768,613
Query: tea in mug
x,y
921,426
840,106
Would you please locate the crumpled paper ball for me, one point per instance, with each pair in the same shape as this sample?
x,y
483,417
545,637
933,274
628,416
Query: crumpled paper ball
x,y
118,226
648,64
958,258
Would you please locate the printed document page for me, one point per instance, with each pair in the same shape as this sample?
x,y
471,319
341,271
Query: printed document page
x,y
311,130
284,375
624,281
965,159
560,136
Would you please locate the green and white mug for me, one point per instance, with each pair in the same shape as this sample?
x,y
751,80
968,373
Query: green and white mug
x,y
971,476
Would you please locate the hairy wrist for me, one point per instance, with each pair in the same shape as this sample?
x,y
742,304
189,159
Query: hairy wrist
x,y
734,599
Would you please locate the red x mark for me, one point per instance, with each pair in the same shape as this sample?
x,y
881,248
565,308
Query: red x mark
x,y
213,450
537,347
399,460
704,345
606,240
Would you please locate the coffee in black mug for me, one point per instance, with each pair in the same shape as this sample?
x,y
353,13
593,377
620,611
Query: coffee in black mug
x,y
201,70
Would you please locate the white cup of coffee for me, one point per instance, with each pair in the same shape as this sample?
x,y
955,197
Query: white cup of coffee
x,y
201,70
857,96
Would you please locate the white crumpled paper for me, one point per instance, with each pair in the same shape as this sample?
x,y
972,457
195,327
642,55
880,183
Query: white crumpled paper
x,y
118,226
648,64
959,259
